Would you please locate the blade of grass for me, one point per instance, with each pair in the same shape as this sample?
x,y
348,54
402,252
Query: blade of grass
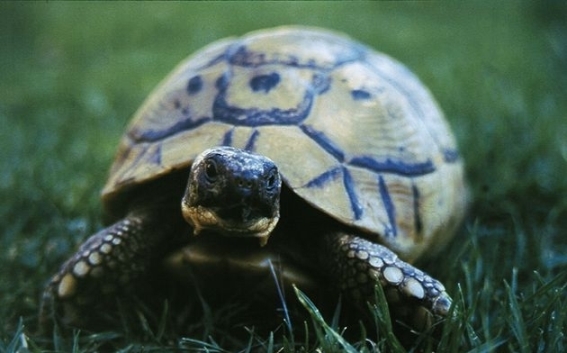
x,y
287,319
320,322
17,342
516,320
383,320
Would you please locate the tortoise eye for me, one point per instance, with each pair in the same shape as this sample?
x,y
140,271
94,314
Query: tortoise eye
x,y
211,172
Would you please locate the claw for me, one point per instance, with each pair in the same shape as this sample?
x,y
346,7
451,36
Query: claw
x,y
441,304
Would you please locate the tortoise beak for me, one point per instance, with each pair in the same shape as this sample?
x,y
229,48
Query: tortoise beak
x,y
264,240
202,218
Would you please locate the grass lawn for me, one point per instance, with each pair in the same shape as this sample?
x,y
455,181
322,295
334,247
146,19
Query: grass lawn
x,y
72,74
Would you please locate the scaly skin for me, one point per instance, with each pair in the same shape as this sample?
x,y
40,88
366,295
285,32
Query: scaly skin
x,y
114,259
358,265
107,264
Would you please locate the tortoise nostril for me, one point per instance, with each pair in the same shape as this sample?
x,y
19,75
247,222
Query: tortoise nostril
x,y
245,183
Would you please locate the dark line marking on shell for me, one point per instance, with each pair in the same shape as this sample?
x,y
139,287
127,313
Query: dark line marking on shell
x,y
155,158
359,94
194,85
450,155
223,112
150,135
391,230
264,83
324,178
239,55
222,82
416,214
251,144
321,83
391,166
355,205
326,143
227,138
218,59
133,164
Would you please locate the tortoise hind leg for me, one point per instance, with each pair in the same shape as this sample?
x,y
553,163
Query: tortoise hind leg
x,y
108,263
358,265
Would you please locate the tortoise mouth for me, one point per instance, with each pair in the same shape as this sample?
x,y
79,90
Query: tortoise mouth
x,y
241,213
234,221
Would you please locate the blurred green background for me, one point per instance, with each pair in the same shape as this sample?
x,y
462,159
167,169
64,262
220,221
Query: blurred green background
x,y
73,73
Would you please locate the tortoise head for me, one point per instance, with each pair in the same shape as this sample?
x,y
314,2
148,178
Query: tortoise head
x,y
233,192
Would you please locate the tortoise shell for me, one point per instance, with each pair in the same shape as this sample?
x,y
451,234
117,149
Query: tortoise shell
x,y
354,133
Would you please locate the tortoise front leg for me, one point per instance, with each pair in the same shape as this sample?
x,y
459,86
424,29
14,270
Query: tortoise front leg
x,y
358,265
107,264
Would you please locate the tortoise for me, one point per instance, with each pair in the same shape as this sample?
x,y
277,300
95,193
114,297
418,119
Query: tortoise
x,y
293,142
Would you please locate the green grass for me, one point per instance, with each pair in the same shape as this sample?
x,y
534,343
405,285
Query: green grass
x,y
71,75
